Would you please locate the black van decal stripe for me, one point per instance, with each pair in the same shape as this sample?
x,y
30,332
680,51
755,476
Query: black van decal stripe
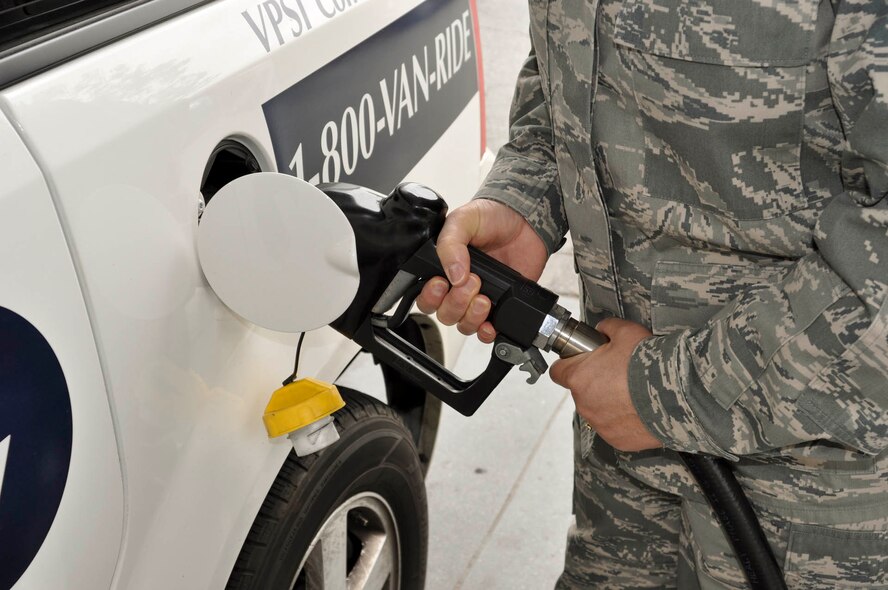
x,y
369,116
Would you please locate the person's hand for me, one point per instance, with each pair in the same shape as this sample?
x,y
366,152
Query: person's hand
x,y
599,384
500,232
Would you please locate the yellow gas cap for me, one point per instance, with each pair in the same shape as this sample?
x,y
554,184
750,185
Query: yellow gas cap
x,y
302,410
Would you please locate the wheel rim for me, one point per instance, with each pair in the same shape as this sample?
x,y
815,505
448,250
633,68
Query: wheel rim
x,y
357,548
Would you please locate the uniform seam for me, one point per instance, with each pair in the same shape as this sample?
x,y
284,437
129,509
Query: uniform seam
x,y
769,502
548,86
797,530
800,62
838,533
719,213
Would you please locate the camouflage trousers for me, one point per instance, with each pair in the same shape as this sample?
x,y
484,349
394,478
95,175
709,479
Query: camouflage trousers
x,y
642,523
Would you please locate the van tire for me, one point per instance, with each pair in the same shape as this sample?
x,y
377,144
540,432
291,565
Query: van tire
x,y
375,459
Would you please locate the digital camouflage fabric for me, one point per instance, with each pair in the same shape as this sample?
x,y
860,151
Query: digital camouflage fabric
x,y
722,166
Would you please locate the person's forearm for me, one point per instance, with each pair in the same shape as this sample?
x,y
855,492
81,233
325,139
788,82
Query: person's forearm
x,y
524,176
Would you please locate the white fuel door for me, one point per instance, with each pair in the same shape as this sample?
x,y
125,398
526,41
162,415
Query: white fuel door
x,y
278,252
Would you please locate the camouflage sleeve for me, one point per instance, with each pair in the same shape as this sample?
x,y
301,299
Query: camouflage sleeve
x,y
524,175
804,358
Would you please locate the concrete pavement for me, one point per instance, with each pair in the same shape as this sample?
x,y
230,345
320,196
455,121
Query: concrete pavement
x,y
499,486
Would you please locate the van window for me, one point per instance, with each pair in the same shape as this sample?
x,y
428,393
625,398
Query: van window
x,y
24,20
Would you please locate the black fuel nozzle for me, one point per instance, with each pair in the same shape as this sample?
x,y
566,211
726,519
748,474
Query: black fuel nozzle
x,y
395,238
388,231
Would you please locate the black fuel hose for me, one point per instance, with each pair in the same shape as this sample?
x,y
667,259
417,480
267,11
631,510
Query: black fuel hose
x,y
737,519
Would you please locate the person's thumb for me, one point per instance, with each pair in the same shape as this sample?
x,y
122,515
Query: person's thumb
x,y
610,327
452,246
561,370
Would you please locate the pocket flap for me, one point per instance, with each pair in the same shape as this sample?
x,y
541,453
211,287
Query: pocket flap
x,y
727,32
685,295
822,557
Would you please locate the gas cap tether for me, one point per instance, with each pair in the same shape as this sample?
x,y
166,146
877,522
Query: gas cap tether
x,y
303,410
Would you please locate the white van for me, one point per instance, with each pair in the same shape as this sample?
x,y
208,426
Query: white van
x,y
132,449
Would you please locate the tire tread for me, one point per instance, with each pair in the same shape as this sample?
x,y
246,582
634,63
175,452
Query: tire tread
x,y
284,489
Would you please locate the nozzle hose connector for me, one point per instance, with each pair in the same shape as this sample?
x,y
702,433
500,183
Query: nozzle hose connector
x,y
576,338
565,336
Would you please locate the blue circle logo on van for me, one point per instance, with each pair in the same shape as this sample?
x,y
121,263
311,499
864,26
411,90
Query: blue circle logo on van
x,y
35,442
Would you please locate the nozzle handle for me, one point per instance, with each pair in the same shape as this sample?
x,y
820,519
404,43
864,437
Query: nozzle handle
x,y
518,305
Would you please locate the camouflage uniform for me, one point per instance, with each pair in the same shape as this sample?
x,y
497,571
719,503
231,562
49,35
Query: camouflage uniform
x,y
721,166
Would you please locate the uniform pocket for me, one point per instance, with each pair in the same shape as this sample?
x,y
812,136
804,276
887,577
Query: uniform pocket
x,y
723,32
821,557
714,560
720,85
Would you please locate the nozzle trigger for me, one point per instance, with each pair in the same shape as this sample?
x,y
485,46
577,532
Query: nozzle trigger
x,y
405,288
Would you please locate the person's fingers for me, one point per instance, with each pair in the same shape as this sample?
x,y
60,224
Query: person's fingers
x,y
474,316
456,302
432,295
558,373
486,333
452,244
561,370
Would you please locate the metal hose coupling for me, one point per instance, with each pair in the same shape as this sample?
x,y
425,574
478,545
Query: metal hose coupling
x,y
566,336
